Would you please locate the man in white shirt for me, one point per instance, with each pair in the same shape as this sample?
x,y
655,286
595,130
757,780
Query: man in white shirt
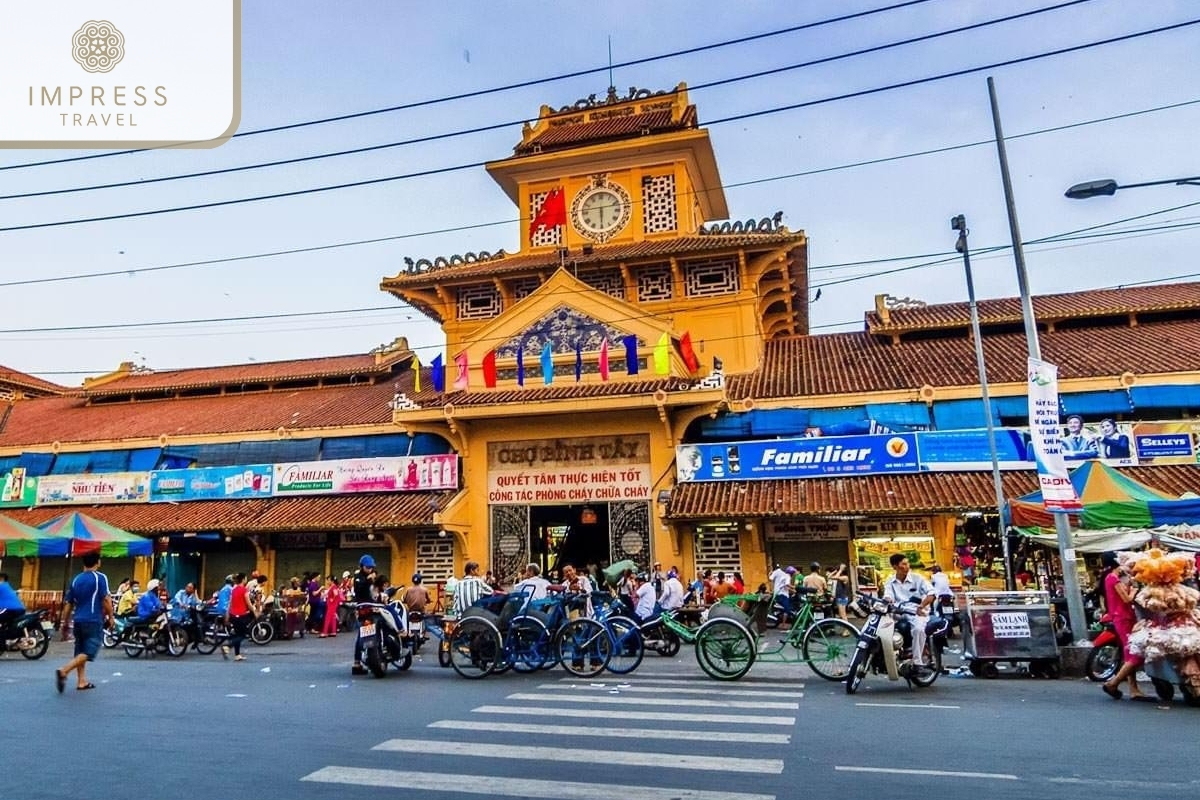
x,y
781,581
672,593
644,598
903,587
469,589
533,584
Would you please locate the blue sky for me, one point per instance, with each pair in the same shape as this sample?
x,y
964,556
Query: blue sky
x,y
322,59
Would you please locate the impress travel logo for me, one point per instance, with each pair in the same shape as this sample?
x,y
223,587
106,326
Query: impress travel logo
x,y
108,73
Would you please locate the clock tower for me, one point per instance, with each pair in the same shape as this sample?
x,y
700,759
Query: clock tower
x,y
617,170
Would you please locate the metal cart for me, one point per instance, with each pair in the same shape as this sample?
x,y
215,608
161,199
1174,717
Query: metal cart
x,y
1013,627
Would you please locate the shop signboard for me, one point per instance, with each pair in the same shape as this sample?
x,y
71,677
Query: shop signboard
x,y
807,530
354,475
111,487
875,540
211,483
570,470
818,456
1050,447
20,490
1166,442
968,450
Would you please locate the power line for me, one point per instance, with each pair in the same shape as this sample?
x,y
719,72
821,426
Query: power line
x,y
511,123
510,86
460,167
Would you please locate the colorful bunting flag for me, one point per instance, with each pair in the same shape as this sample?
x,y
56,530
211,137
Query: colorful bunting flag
x,y
437,373
718,364
547,365
688,352
520,365
463,379
631,354
662,355
416,368
578,361
604,360
489,369
552,213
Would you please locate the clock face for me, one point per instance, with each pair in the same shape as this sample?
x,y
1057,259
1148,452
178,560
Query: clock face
x,y
599,212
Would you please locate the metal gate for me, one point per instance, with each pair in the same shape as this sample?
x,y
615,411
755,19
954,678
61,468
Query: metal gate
x,y
629,533
510,542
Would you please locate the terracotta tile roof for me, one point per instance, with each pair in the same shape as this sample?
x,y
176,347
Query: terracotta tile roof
x,y
601,254
73,419
882,494
560,137
537,393
11,378
332,512
235,374
849,363
1050,307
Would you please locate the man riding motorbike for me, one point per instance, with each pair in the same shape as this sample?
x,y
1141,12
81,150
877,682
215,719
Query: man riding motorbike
x,y
907,586
364,580
11,606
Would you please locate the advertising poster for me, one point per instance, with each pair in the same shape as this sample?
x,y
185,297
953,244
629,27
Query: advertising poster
x,y
353,475
968,450
1166,442
211,483
1058,494
798,458
20,490
112,487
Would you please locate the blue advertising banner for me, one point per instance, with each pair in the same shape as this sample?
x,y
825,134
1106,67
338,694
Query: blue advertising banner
x,y
798,458
969,450
211,483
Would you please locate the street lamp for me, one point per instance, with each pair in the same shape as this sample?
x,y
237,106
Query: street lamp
x,y
959,223
1082,191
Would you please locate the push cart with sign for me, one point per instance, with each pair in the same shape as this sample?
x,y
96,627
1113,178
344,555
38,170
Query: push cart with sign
x,y
1013,627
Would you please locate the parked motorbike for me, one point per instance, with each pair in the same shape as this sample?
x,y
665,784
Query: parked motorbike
x,y
885,645
1106,655
157,635
383,636
26,634
416,630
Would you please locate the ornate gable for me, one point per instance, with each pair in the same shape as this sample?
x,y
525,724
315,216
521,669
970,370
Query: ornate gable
x,y
564,327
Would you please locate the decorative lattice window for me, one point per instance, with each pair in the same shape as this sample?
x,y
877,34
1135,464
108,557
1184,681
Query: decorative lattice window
x,y
478,302
708,278
658,204
435,556
523,287
608,281
717,548
654,282
545,236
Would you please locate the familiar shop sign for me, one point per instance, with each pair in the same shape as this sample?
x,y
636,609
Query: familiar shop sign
x,y
807,530
811,457
111,487
570,470
355,475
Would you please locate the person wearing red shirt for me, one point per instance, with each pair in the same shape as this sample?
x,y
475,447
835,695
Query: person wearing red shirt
x,y
239,616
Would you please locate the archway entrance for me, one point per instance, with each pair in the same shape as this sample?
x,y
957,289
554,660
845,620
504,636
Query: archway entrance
x,y
576,535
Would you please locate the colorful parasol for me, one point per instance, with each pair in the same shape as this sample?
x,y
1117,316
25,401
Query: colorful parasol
x,y
20,540
88,534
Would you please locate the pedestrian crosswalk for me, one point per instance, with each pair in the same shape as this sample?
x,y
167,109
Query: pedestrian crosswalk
x,y
671,738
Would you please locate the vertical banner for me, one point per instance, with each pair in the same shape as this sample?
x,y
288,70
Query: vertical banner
x,y
1058,493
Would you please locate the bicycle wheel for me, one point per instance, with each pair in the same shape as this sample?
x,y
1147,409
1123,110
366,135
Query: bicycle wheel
x,y
725,649
828,646
474,647
626,644
528,644
584,647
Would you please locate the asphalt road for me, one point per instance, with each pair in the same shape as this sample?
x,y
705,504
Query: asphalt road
x,y
290,722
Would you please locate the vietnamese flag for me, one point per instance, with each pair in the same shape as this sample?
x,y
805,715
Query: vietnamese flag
x,y
688,352
631,354
489,369
437,373
462,380
604,360
552,213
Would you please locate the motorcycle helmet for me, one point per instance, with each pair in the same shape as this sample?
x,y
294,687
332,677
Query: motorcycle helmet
x,y
367,562
790,570
152,585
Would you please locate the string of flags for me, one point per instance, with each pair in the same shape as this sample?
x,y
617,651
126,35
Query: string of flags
x,y
660,362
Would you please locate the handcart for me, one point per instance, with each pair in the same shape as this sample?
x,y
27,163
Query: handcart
x,y
295,614
1013,627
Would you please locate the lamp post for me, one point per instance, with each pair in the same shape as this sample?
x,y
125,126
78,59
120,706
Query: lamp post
x,y
1082,191
959,224
1062,525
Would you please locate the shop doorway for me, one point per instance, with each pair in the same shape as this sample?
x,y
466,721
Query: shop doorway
x,y
576,535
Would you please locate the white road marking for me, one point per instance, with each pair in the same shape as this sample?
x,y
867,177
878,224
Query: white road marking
x,y
675,690
937,773
772,766
700,680
513,787
621,733
903,705
1127,784
654,701
659,716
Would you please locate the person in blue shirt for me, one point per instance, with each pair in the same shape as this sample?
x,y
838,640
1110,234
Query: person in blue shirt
x,y
224,595
188,597
11,606
88,601
149,604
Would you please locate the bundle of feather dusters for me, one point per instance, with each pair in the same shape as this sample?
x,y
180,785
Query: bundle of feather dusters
x,y
1171,628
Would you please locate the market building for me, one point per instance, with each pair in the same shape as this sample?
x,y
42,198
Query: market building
x,y
637,382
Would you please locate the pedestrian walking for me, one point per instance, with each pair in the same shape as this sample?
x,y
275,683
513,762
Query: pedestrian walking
x,y
239,616
88,602
333,599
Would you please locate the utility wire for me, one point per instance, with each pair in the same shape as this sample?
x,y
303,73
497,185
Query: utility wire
x,y
511,86
511,123
473,165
